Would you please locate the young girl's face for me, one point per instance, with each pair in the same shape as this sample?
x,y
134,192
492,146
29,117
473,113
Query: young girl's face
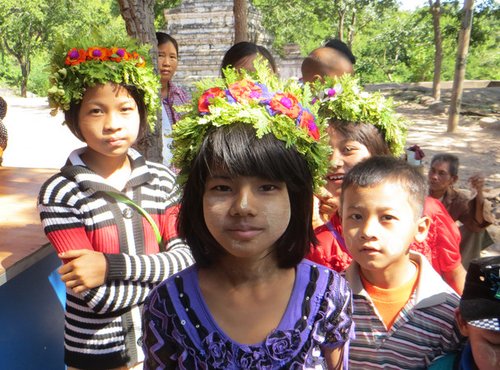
x,y
108,120
246,215
167,62
345,155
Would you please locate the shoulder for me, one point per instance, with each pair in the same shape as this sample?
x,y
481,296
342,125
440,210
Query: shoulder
x,y
176,282
328,283
161,172
179,92
431,289
56,189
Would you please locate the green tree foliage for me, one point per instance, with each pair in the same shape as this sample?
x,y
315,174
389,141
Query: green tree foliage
x,y
308,22
30,28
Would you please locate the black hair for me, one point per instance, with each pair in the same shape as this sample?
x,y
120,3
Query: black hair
x,y
452,160
243,49
71,115
164,38
342,47
366,134
384,169
236,150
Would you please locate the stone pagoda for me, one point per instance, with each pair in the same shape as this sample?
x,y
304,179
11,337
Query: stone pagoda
x,y
204,30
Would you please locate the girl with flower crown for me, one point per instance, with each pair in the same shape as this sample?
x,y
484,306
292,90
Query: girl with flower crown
x,y
109,213
362,125
249,155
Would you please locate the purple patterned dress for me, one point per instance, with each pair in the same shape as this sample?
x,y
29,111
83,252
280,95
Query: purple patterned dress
x,y
179,331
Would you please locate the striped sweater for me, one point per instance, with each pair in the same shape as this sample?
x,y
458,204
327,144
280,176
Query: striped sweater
x,y
103,325
424,330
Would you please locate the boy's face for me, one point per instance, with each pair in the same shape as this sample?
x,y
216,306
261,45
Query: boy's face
x,y
379,224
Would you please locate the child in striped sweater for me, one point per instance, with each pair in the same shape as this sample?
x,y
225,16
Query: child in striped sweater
x,y
109,213
403,310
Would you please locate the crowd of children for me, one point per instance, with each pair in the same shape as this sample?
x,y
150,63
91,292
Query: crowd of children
x,y
288,236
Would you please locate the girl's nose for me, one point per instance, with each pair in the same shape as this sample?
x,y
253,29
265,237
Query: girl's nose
x,y
112,123
244,203
336,159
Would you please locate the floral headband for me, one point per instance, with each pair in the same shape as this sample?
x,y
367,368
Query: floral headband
x,y
77,68
258,99
342,99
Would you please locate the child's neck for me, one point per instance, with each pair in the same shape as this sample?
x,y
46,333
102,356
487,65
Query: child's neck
x,y
116,171
393,276
244,272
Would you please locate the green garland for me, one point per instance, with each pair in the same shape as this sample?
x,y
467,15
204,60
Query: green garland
x,y
260,99
77,65
343,99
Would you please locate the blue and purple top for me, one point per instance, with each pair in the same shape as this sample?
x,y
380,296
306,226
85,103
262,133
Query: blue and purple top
x,y
179,328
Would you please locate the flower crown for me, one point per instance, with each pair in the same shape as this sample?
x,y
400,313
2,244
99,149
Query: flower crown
x,y
258,99
342,99
79,67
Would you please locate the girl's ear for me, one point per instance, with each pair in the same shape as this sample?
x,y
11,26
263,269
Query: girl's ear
x,y
423,225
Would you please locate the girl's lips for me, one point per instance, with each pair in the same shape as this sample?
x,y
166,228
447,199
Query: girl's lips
x,y
335,177
116,141
244,233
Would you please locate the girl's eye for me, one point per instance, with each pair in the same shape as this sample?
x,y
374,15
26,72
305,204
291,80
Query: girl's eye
x,y
222,188
268,187
95,111
355,217
127,108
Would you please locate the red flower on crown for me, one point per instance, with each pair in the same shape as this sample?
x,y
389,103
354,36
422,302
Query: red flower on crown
x,y
97,53
245,90
118,54
307,123
75,56
205,100
285,103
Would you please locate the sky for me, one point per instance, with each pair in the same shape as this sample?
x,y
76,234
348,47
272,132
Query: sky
x,y
412,4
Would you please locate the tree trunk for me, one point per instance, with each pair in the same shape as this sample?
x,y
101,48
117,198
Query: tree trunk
x,y
463,48
139,21
240,11
24,78
352,28
435,9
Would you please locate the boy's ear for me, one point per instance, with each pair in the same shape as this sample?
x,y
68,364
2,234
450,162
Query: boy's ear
x,y
461,323
454,179
423,225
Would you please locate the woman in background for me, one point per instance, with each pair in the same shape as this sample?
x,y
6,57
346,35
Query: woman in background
x,y
171,94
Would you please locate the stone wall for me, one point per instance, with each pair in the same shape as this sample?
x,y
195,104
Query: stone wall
x,y
204,30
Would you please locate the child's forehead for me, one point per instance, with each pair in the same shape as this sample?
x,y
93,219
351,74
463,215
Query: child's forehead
x,y
388,194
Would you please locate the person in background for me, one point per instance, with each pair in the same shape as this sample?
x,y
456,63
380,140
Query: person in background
x,y
473,212
172,95
362,125
242,55
249,160
333,59
3,130
403,310
109,213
